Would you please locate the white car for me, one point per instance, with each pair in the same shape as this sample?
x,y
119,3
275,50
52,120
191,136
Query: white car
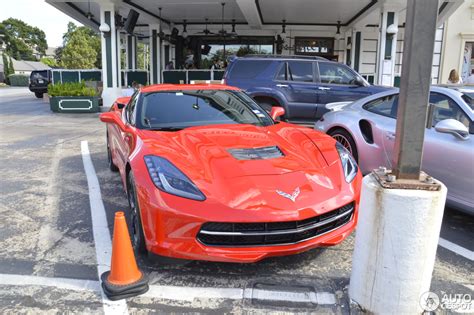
x,y
366,128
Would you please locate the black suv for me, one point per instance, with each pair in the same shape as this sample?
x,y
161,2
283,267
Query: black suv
x,y
302,85
39,80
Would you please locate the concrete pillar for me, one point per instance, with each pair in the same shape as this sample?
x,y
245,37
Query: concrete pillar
x,y
395,247
155,54
387,47
110,67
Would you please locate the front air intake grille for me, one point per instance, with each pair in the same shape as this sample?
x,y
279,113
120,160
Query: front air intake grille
x,y
256,153
273,233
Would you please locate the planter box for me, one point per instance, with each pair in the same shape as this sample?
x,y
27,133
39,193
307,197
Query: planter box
x,y
74,104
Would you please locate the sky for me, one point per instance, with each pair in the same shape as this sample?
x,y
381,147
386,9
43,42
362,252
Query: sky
x,y
40,14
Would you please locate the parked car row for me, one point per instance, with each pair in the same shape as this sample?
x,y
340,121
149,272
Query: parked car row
x,y
302,86
211,175
362,117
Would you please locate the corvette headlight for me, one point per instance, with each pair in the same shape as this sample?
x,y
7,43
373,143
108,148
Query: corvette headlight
x,y
349,165
170,179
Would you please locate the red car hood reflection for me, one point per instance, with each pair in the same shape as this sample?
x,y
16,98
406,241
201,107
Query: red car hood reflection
x,y
202,153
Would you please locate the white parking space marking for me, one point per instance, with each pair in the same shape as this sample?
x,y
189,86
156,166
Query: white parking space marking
x,y
103,244
166,292
466,253
191,293
60,283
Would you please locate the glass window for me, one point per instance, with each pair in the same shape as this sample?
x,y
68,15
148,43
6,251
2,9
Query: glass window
x,y
446,108
182,109
301,71
131,109
281,76
248,69
334,73
468,97
386,106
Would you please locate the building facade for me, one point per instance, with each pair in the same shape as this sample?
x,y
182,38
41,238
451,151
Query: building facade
x,y
196,34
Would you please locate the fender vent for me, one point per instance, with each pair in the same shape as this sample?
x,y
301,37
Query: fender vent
x,y
256,153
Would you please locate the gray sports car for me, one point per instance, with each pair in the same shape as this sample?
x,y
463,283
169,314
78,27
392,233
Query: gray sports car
x,y
367,129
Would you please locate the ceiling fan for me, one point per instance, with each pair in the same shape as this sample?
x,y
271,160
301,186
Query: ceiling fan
x,y
206,31
223,32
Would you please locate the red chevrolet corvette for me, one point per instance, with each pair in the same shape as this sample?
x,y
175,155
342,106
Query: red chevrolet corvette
x,y
210,175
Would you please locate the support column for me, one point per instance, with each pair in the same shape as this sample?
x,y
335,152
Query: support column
x,y
356,49
110,67
401,212
131,52
387,47
155,52
118,38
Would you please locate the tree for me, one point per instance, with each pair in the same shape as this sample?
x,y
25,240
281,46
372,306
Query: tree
x,y
79,52
23,41
92,41
11,69
49,62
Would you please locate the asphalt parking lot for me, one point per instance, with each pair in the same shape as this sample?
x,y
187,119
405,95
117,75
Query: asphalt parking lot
x,y
49,263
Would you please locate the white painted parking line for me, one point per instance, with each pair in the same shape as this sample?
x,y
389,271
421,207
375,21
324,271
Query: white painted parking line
x,y
455,248
100,229
60,283
174,293
190,293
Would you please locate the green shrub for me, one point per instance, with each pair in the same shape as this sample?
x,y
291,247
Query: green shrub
x,y
70,89
18,79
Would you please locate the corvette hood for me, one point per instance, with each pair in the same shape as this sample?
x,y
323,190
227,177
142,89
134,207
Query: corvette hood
x,y
236,150
217,158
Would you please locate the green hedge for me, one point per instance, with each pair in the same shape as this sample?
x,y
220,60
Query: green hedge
x,y
19,79
70,89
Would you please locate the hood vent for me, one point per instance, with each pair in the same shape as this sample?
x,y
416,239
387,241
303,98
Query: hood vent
x,y
264,153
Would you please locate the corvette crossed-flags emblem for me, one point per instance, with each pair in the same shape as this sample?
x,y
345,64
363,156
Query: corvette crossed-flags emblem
x,y
292,197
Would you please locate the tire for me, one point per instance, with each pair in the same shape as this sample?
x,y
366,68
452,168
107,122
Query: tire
x,y
110,162
345,138
135,222
39,94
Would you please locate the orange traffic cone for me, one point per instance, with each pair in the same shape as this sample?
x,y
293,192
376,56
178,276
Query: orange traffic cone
x,y
124,278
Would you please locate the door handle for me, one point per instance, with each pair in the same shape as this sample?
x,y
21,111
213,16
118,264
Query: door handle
x,y
282,85
322,88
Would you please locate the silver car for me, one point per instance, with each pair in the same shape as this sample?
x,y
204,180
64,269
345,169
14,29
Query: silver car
x,y
366,128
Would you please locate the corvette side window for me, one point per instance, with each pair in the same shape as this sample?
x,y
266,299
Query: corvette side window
x,y
132,110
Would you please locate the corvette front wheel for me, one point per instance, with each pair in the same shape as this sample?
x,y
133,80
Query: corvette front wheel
x,y
135,222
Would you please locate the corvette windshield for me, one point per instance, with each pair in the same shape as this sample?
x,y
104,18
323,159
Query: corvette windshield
x,y
174,110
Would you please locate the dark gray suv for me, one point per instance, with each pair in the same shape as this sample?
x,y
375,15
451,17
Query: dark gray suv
x,y
302,85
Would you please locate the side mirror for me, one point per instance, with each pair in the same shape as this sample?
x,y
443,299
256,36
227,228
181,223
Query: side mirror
x,y
277,112
122,101
454,127
113,118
